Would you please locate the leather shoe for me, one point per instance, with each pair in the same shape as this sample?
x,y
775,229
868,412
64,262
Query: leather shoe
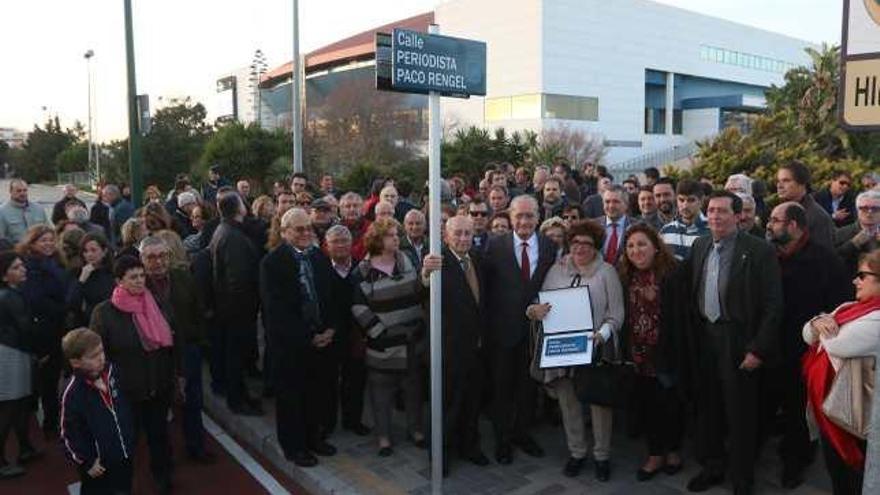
x,y
322,448
645,475
504,454
358,429
704,480
421,443
573,467
478,458
603,470
673,469
303,458
385,451
246,409
529,446
11,471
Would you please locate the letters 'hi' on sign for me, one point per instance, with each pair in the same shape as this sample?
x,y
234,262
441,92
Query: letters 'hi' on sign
x,y
859,93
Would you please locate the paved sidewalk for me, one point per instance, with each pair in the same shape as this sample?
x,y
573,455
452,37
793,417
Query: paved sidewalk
x,y
356,469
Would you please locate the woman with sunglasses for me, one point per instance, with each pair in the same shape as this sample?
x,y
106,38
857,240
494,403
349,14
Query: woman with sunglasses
x,y
851,331
584,267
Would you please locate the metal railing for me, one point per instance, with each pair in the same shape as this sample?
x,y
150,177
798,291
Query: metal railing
x,y
655,158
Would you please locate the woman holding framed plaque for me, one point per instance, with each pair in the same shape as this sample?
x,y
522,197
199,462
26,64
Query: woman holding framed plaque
x,y
647,271
583,267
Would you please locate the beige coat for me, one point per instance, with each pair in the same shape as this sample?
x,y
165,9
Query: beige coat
x,y
606,296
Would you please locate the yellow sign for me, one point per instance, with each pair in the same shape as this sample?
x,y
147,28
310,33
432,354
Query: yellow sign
x,y
873,8
861,99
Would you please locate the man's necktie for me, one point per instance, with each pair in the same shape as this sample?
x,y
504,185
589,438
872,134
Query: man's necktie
x,y
525,266
611,251
471,276
711,298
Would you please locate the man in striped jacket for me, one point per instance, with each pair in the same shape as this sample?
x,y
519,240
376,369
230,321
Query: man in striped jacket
x,y
689,224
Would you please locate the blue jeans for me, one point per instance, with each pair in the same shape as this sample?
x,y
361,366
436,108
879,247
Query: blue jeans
x,y
193,430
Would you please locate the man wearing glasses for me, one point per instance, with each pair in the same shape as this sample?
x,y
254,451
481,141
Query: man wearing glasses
x,y
813,282
863,236
478,210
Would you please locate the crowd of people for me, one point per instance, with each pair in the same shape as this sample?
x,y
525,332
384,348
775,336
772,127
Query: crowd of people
x,y
316,298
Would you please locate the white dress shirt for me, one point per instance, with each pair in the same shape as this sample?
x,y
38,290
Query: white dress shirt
x,y
621,223
532,250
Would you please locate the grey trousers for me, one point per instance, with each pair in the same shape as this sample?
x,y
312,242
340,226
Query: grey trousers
x,y
381,386
573,421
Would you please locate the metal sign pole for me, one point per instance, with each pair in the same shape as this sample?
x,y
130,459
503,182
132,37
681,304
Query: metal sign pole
x,y
296,83
434,136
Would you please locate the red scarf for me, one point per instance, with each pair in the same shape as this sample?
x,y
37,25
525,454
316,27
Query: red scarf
x,y
819,375
152,328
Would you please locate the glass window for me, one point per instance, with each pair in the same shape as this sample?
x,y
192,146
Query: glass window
x,y
525,106
497,108
655,121
704,52
571,107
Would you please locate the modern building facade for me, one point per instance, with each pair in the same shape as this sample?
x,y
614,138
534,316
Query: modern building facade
x,y
647,78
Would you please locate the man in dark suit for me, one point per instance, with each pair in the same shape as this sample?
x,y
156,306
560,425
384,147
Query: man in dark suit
x,y
814,281
862,236
235,264
464,323
299,318
349,341
736,301
515,267
616,222
838,199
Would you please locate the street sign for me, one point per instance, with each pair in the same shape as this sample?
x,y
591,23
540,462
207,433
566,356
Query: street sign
x,y
859,93
415,62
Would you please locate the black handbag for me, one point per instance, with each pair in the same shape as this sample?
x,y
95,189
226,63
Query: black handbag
x,y
605,383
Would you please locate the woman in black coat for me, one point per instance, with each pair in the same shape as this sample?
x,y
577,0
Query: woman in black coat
x,y
45,292
16,363
93,283
647,272
136,332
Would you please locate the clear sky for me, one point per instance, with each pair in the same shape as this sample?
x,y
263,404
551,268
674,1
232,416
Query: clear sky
x,y
182,46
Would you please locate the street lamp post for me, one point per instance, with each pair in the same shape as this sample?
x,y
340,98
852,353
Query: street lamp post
x,y
88,56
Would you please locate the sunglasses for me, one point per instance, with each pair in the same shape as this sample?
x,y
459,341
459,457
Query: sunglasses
x,y
479,213
863,275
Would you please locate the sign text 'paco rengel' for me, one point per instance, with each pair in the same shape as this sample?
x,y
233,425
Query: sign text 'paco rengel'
x,y
428,62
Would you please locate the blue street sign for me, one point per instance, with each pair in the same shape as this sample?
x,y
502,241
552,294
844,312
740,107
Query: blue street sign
x,y
421,63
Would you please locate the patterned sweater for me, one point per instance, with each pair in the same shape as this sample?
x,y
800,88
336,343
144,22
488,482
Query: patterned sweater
x,y
389,311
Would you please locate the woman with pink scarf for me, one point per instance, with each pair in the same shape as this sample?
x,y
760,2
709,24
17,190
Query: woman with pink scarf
x,y
139,340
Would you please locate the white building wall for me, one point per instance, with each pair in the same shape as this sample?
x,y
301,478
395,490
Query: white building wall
x,y
601,48
512,32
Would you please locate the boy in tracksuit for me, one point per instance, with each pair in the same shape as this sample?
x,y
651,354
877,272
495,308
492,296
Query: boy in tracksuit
x,y
96,425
